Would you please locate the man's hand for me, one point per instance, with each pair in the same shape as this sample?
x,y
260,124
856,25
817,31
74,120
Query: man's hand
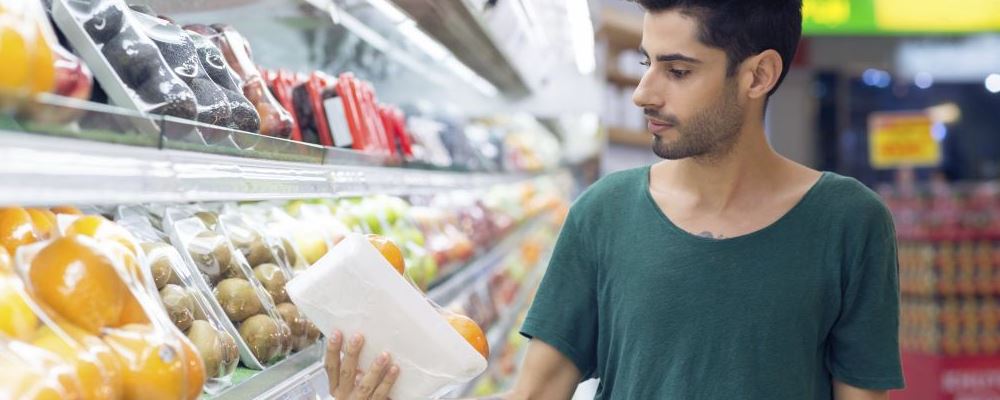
x,y
843,391
346,381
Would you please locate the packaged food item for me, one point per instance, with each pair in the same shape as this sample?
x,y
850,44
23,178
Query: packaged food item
x,y
27,59
265,255
29,372
354,289
274,119
245,117
185,305
179,52
219,268
128,64
282,84
282,228
110,312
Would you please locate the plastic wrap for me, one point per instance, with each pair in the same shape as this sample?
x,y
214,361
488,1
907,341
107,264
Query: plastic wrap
x,y
125,60
245,117
186,306
96,284
219,268
354,289
265,255
274,119
282,228
27,59
181,55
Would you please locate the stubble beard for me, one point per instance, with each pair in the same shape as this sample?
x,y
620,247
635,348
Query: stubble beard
x,y
710,135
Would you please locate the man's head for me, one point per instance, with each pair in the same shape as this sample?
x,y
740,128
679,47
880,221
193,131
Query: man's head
x,y
712,66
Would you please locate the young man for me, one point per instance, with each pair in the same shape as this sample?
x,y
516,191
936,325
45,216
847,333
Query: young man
x,y
725,271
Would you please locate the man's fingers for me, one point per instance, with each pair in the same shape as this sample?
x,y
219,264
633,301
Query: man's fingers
x,y
374,376
382,392
332,359
349,366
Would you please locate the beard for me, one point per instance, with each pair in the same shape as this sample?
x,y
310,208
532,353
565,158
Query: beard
x,y
711,133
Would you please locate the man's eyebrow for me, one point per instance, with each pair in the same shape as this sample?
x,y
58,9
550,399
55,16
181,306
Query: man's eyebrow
x,y
671,57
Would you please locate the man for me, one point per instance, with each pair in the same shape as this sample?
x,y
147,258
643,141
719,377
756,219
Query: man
x,y
725,271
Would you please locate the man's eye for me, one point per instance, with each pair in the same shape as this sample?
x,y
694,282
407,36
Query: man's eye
x,y
679,73
644,63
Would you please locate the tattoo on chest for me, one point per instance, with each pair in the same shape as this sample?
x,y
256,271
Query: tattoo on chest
x,y
710,235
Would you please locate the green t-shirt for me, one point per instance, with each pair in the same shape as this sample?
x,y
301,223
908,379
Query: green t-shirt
x,y
658,313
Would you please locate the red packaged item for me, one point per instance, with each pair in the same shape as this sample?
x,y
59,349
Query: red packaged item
x,y
345,88
281,84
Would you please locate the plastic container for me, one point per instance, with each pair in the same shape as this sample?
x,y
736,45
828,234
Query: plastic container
x,y
219,268
27,60
185,305
353,289
128,65
139,353
266,257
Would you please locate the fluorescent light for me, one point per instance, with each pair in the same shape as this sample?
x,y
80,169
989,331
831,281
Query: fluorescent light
x,y
923,80
582,34
389,10
993,83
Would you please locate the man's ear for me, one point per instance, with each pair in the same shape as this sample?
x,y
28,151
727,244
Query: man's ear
x,y
764,70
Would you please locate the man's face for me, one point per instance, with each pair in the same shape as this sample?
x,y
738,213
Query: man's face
x,y
693,109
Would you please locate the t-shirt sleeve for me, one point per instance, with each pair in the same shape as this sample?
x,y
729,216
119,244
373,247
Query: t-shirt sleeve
x,y
564,312
864,342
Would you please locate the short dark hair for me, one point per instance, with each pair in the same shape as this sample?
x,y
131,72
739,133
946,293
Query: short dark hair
x,y
743,28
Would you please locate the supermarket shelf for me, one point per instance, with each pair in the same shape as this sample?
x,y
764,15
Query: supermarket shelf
x,y
629,137
497,335
299,376
461,281
45,170
457,26
622,80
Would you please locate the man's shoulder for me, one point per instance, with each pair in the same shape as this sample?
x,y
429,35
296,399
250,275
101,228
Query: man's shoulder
x,y
851,200
613,187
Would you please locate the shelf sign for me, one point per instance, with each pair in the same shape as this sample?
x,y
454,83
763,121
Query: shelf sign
x,y
868,17
902,139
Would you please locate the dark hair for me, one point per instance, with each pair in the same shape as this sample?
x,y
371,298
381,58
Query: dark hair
x,y
743,28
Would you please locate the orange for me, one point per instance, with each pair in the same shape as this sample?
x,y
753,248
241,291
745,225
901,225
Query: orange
x,y
98,369
45,222
132,313
19,380
471,331
101,229
16,228
389,250
153,367
66,210
194,369
79,282
17,320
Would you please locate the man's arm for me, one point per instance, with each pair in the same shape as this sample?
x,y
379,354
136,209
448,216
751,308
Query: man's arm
x,y
843,391
545,374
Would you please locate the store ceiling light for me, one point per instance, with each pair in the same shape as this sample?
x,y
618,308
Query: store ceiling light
x,y
993,83
582,34
923,80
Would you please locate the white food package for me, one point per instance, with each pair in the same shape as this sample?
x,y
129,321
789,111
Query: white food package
x,y
354,289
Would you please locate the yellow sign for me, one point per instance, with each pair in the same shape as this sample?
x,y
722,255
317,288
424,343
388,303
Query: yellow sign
x,y
937,16
902,140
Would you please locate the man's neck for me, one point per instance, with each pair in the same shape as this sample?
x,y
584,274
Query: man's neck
x,y
715,182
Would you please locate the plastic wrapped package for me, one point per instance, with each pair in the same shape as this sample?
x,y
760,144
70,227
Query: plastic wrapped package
x,y
27,59
185,305
181,55
109,296
219,268
354,289
281,84
245,117
125,60
274,119
29,372
313,219
282,228
270,267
